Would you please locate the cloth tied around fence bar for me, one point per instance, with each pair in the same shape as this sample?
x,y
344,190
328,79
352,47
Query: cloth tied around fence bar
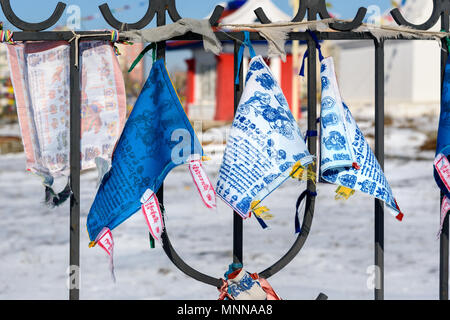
x,y
157,137
239,284
41,80
346,158
264,144
441,163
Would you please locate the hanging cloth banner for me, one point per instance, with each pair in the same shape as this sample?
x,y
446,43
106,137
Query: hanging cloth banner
x,y
199,176
441,163
265,142
106,242
346,157
41,79
157,138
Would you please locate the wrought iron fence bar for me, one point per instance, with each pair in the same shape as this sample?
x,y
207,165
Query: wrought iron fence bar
x,y
183,266
238,225
221,35
312,147
307,8
160,54
444,241
379,154
437,10
75,168
443,259
23,25
321,35
112,21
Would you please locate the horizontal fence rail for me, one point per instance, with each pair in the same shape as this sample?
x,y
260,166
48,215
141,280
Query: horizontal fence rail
x,y
308,10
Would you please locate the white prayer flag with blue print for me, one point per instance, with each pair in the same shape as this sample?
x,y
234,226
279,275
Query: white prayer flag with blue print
x,y
346,157
264,144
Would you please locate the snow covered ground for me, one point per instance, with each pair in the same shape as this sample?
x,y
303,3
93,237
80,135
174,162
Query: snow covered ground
x,y
34,240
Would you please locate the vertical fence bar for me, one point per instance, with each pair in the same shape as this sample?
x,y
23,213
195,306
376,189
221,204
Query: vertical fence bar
x,y
312,103
379,153
161,54
443,243
443,260
237,220
161,21
75,167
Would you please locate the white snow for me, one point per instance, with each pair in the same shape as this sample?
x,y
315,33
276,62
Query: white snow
x,y
34,240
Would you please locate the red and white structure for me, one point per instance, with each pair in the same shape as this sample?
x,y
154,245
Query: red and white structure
x,y
210,78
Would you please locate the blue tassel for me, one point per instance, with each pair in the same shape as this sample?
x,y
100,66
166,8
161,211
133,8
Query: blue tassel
x,y
261,222
302,69
298,228
310,133
247,43
319,48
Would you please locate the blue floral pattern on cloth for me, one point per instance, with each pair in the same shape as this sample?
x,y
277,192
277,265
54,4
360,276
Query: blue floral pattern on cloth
x,y
264,143
344,148
266,81
245,284
146,152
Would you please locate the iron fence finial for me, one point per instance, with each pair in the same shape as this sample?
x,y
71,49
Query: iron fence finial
x,y
28,26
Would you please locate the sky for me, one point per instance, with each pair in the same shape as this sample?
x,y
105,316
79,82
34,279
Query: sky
x,y
39,10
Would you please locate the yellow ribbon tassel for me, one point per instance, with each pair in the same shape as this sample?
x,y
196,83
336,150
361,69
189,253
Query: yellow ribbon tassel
x,y
299,172
343,193
261,212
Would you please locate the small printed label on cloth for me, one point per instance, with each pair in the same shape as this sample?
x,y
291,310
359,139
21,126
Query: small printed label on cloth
x,y
106,242
444,210
152,214
202,182
442,166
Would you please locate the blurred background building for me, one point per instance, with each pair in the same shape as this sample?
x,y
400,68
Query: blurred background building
x,y
412,68
210,78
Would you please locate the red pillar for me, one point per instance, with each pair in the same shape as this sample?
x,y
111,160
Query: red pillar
x,y
190,83
225,87
286,79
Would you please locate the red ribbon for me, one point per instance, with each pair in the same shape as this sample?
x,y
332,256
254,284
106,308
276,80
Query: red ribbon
x,y
224,291
271,294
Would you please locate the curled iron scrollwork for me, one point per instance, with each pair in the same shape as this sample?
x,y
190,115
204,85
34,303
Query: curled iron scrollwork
x,y
30,26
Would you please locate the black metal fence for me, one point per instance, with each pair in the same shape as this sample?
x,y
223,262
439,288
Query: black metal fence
x,y
309,10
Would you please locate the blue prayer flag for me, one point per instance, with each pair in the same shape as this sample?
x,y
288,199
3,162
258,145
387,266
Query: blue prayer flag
x,y
264,144
346,157
156,138
443,138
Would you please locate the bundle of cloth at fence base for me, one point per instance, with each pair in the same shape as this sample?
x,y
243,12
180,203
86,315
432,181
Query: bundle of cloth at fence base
x,y
241,285
40,73
264,144
156,138
441,163
346,158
